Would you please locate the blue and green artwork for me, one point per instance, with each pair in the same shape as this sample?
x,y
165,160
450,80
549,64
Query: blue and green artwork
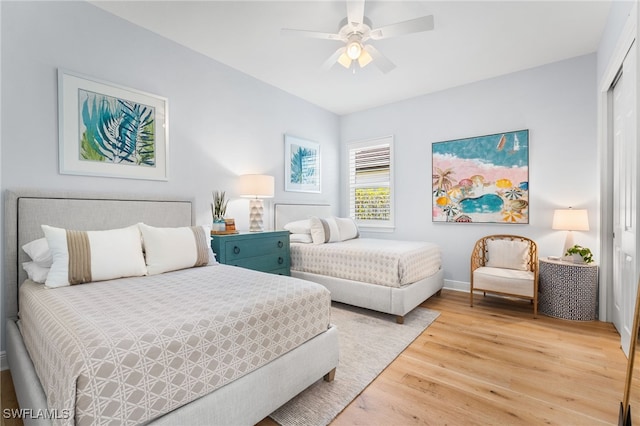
x,y
482,179
303,165
114,130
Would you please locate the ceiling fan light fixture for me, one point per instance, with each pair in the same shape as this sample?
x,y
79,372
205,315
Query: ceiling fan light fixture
x,y
364,59
344,60
354,50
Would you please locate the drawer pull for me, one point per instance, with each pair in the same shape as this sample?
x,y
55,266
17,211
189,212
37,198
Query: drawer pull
x,y
280,261
280,244
236,250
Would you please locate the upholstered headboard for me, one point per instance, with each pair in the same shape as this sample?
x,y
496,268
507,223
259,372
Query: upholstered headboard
x,y
285,213
25,211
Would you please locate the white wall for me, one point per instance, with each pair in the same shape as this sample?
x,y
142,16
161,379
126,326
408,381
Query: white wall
x,y
557,103
222,123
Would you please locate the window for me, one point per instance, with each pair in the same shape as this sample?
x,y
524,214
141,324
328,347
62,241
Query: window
x,y
371,182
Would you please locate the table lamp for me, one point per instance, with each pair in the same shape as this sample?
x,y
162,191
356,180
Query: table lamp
x,y
256,187
570,220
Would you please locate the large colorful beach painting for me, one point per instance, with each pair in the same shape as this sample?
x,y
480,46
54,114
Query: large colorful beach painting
x,y
482,179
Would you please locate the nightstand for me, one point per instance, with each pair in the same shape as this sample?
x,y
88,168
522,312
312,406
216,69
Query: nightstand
x,y
568,290
260,251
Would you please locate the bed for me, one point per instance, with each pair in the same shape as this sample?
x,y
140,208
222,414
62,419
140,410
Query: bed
x,y
199,365
388,276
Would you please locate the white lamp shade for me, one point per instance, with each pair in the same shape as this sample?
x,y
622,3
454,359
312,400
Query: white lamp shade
x,y
256,186
570,220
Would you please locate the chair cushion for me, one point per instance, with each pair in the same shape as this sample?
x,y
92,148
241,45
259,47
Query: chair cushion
x,y
509,281
507,254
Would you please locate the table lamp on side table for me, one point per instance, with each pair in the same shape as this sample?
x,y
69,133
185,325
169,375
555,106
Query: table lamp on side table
x,y
256,187
570,220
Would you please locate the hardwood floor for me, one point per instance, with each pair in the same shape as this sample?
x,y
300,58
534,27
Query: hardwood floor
x,y
490,364
495,364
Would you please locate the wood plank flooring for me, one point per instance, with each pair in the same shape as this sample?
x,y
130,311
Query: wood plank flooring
x,y
490,364
495,364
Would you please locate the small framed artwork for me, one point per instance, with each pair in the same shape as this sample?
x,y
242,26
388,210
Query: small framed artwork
x,y
483,179
110,130
301,165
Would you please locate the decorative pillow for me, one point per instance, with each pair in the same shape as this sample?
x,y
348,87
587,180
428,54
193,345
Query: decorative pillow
x,y
347,228
86,256
170,249
299,227
35,272
300,238
38,251
324,230
507,254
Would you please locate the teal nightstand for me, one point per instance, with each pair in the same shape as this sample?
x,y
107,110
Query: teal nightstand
x,y
261,251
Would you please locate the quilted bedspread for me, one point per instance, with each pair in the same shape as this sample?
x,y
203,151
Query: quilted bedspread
x,y
376,261
129,350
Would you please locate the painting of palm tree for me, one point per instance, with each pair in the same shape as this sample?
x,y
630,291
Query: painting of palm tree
x,y
111,130
302,165
116,130
483,179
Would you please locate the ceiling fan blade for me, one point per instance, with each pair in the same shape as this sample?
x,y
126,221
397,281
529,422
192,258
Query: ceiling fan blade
x,y
333,58
424,23
309,34
355,11
381,61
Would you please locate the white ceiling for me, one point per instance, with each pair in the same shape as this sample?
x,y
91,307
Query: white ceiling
x,y
472,41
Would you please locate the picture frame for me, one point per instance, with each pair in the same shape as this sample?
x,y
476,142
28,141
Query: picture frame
x,y
302,165
110,130
482,179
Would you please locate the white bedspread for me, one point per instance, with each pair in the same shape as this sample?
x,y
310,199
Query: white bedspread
x,y
129,350
385,262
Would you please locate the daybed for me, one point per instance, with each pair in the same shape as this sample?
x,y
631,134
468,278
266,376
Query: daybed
x,y
169,357
383,275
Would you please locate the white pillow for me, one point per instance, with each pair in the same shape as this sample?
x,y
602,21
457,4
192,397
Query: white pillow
x,y
507,254
347,228
300,238
86,256
299,227
324,230
170,249
38,251
35,272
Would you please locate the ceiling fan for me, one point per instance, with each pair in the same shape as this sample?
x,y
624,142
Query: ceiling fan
x,y
355,30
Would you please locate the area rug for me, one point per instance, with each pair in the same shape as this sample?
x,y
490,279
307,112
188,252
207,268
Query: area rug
x,y
369,342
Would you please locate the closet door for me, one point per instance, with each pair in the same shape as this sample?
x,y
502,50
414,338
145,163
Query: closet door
x,y
625,190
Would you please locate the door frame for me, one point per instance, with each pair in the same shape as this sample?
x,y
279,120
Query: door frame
x,y
605,153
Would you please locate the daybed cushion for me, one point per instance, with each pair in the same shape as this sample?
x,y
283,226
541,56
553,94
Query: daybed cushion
x,y
507,254
502,280
85,256
155,343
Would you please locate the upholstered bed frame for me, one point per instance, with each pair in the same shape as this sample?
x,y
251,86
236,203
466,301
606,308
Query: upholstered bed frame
x,y
395,301
244,401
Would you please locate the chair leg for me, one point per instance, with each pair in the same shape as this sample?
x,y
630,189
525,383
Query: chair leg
x,y
471,298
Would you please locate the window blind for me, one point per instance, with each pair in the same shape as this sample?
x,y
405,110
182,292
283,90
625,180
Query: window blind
x,y
370,200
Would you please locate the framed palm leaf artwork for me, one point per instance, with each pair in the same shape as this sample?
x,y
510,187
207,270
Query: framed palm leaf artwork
x,y
110,130
302,165
483,179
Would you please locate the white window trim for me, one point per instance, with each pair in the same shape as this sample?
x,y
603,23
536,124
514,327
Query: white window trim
x,y
371,226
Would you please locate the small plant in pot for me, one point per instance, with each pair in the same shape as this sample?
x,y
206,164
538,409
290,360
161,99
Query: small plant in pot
x,y
584,254
219,209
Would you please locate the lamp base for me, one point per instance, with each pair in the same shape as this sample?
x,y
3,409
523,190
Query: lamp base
x,y
256,210
568,243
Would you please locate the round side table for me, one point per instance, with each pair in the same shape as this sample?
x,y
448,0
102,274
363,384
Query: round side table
x,y
568,290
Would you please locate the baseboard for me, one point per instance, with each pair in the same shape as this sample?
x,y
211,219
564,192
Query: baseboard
x,y
457,285
3,361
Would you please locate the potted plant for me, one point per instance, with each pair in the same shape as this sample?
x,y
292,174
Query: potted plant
x,y
219,209
579,253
